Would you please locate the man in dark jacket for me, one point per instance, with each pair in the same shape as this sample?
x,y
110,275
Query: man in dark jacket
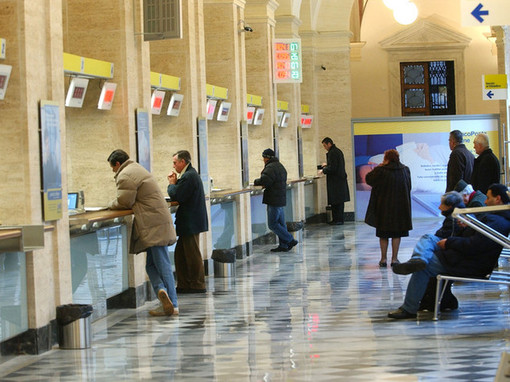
x,y
460,164
470,255
336,179
274,180
486,169
185,187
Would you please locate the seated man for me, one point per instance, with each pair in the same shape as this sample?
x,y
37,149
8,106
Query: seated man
x,y
471,197
470,255
427,244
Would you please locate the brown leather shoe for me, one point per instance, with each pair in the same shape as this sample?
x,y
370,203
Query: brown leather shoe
x,y
168,307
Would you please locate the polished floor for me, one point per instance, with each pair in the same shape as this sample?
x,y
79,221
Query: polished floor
x,y
317,313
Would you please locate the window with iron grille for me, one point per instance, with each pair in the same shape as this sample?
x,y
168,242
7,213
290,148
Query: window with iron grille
x,y
428,88
162,19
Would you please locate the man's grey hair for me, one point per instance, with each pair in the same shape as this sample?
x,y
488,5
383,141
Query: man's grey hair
x,y
456,135
451,198
482,139
183,154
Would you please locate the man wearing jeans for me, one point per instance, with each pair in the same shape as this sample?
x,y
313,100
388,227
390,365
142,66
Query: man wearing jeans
x,y
274,181
470,255
153,230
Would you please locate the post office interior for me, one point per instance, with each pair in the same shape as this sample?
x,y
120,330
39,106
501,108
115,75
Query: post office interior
x,y
207,87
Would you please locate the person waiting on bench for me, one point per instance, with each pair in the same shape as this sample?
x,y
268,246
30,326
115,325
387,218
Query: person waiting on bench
x,y
428,242
470,255
471,197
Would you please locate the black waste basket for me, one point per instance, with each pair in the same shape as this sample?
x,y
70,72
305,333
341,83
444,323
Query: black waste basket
x,y
74,326
224,262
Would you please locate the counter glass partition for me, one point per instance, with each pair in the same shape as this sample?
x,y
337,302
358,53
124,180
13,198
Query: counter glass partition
x,y
309,200
13,294
99,264
224,225
289,208
258,216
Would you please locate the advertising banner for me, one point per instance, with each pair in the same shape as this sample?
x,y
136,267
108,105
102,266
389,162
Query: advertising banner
x,y
422,143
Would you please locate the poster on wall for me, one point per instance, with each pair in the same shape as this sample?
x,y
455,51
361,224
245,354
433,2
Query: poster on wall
x,y
143,143
203,167
174,106
245,170
422,143
51,163
224,111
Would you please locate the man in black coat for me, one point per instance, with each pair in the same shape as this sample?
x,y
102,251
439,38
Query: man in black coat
x,y
460,164
274,180
336,179
471,254
186,188
486,169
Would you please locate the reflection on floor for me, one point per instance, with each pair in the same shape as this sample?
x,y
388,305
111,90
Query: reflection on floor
x,y
317,313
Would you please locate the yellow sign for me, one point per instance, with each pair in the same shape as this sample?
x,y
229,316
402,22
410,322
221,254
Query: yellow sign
x,y
495,81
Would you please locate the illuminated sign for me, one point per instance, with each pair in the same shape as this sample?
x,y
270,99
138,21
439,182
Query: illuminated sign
x,y
287,67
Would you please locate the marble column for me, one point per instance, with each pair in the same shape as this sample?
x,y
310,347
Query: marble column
x,y
112,32
287,26
259,77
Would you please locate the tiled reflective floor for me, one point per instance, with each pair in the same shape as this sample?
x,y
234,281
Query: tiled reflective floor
x,y
317,313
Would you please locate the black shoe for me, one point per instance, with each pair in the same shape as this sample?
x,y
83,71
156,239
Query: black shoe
x,y
401,314
335,223
411,266
280,249
292,244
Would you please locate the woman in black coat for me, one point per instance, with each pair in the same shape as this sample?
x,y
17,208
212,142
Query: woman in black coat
x,y
389,208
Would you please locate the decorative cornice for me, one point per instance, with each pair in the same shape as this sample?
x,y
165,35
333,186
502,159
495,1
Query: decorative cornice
x,y
425,34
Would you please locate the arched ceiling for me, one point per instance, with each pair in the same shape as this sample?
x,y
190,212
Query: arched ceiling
x,y
318,15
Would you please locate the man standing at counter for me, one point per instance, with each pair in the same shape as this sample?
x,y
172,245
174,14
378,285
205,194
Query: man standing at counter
x,y
274,180
185,187
336,179
153,230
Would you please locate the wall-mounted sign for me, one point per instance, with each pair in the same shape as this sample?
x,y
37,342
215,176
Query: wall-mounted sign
x,y
494,87
287,59
106,97
143,139
224,111
51,163
174,107
279,117
2,47
76,92
5,73
285,120
158,96
259,116
250,114
211,107
306,121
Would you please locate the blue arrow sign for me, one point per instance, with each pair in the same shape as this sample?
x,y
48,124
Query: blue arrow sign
x,y
478,13
490,94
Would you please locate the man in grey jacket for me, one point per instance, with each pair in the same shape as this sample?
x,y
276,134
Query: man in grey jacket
x,y
153,230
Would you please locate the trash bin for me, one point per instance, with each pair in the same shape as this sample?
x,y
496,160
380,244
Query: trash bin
x,y
329,214
224,262
74,330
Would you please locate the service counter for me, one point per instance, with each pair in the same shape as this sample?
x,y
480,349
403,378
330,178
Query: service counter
x,y
14,243
99,258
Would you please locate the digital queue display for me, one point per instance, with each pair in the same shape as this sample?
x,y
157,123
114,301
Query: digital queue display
x,y
287,61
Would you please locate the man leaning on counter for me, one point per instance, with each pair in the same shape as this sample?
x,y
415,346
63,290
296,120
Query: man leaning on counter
x,y
153,230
